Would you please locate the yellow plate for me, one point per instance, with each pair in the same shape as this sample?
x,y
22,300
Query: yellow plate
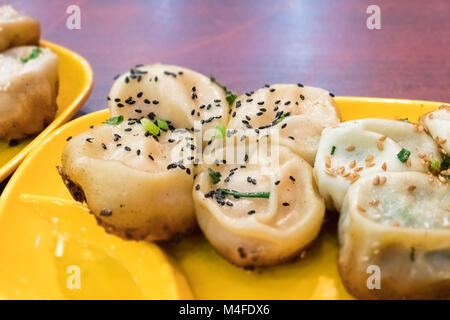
x,y
75,84
43,232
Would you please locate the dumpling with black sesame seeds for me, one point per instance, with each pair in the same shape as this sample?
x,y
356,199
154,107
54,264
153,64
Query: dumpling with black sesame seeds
x,y
173,93
17,29
133,181
361,147
437,124
299,112
260,208
28,90
395,238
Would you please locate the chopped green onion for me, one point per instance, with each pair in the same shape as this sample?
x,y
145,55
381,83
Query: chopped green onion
x,y
281,118
230,96
405,120
162,124
434,166
333,149
220,132
115,120
215,176
403,155
238,194
150,126
33,55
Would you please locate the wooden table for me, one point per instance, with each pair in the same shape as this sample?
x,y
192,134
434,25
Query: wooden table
x,y
246,44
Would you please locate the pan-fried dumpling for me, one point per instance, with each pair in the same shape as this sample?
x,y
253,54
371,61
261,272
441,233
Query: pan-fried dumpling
x,y
16,29
399,231
257,212
170,92
28,90
438,125
362,147
138,186
300,113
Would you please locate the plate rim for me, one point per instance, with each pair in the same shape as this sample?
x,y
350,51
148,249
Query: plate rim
x,y
11,186
62,118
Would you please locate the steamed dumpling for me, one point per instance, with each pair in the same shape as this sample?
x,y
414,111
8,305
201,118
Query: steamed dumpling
x,y
362,147
258,231
300,113
28,90
173,93
137,185
403,228
438,125
16,29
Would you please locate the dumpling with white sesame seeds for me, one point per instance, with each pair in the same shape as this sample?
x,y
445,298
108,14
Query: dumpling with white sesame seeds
x,y
28,90
17,29
258,210
133,181
361,147
438,125
300,113
173,93
395,238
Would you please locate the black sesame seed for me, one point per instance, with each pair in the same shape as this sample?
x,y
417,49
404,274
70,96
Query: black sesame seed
x,y
139,94
302,97
68,138
286,204
104,146
292,178
155,101
105,212
251,212
197,187
300,85
332,95
127,148
277,182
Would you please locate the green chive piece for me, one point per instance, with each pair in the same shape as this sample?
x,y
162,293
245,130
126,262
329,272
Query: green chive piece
x,y
162,124
115,120
33,55
149,126
230,96
238,194
405,120
435,166
215,176
333,149
281,118
403,155
220,132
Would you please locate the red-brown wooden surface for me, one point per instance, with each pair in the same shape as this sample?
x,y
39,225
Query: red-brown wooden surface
x,y
246,44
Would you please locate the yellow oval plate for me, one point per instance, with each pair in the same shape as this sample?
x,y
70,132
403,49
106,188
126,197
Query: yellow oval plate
x,y
44,233
75,84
